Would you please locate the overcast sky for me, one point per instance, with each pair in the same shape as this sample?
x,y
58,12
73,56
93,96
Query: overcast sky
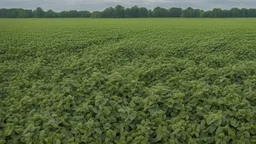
x,y
93,5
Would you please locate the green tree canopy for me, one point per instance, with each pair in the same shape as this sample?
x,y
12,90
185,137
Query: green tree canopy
x,y
39,13
119,11
133,12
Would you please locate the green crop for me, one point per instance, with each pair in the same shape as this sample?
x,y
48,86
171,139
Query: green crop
x,y
128,81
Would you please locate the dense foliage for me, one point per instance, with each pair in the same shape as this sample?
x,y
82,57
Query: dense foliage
x,y
133,12
128,81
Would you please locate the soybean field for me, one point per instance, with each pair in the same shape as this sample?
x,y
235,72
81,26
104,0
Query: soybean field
x,y
128,81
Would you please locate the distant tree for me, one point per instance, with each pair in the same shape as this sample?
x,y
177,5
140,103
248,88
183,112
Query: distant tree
x,y
143,12
251,13
105,13
244,12
39,13
226,13
96,14
84,14
50,14
160,12
128,13
21,13
150,13
73,13
3,13
190,12
197,13
13,13
70,14
235,12
29,13
63,14
108,13
174,12
135,11
202,13
207,14
119,11
111,12
217,13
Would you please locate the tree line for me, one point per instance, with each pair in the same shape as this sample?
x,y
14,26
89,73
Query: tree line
x,y
133,12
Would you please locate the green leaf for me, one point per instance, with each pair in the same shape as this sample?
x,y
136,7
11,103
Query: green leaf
x,y
231,133
64,122
52,123
219,130
42,135
212,128
58,141
8,132
160,132
218,122
132,115
98,130
234,123
2,141
191,141
111,133
30,128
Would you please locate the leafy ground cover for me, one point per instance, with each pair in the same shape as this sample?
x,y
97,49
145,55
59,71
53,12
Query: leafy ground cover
x,y
128,81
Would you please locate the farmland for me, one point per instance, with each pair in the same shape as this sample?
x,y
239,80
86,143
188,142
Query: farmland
x,y
128,81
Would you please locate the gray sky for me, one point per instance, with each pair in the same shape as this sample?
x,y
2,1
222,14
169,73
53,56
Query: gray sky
x,y
93,5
